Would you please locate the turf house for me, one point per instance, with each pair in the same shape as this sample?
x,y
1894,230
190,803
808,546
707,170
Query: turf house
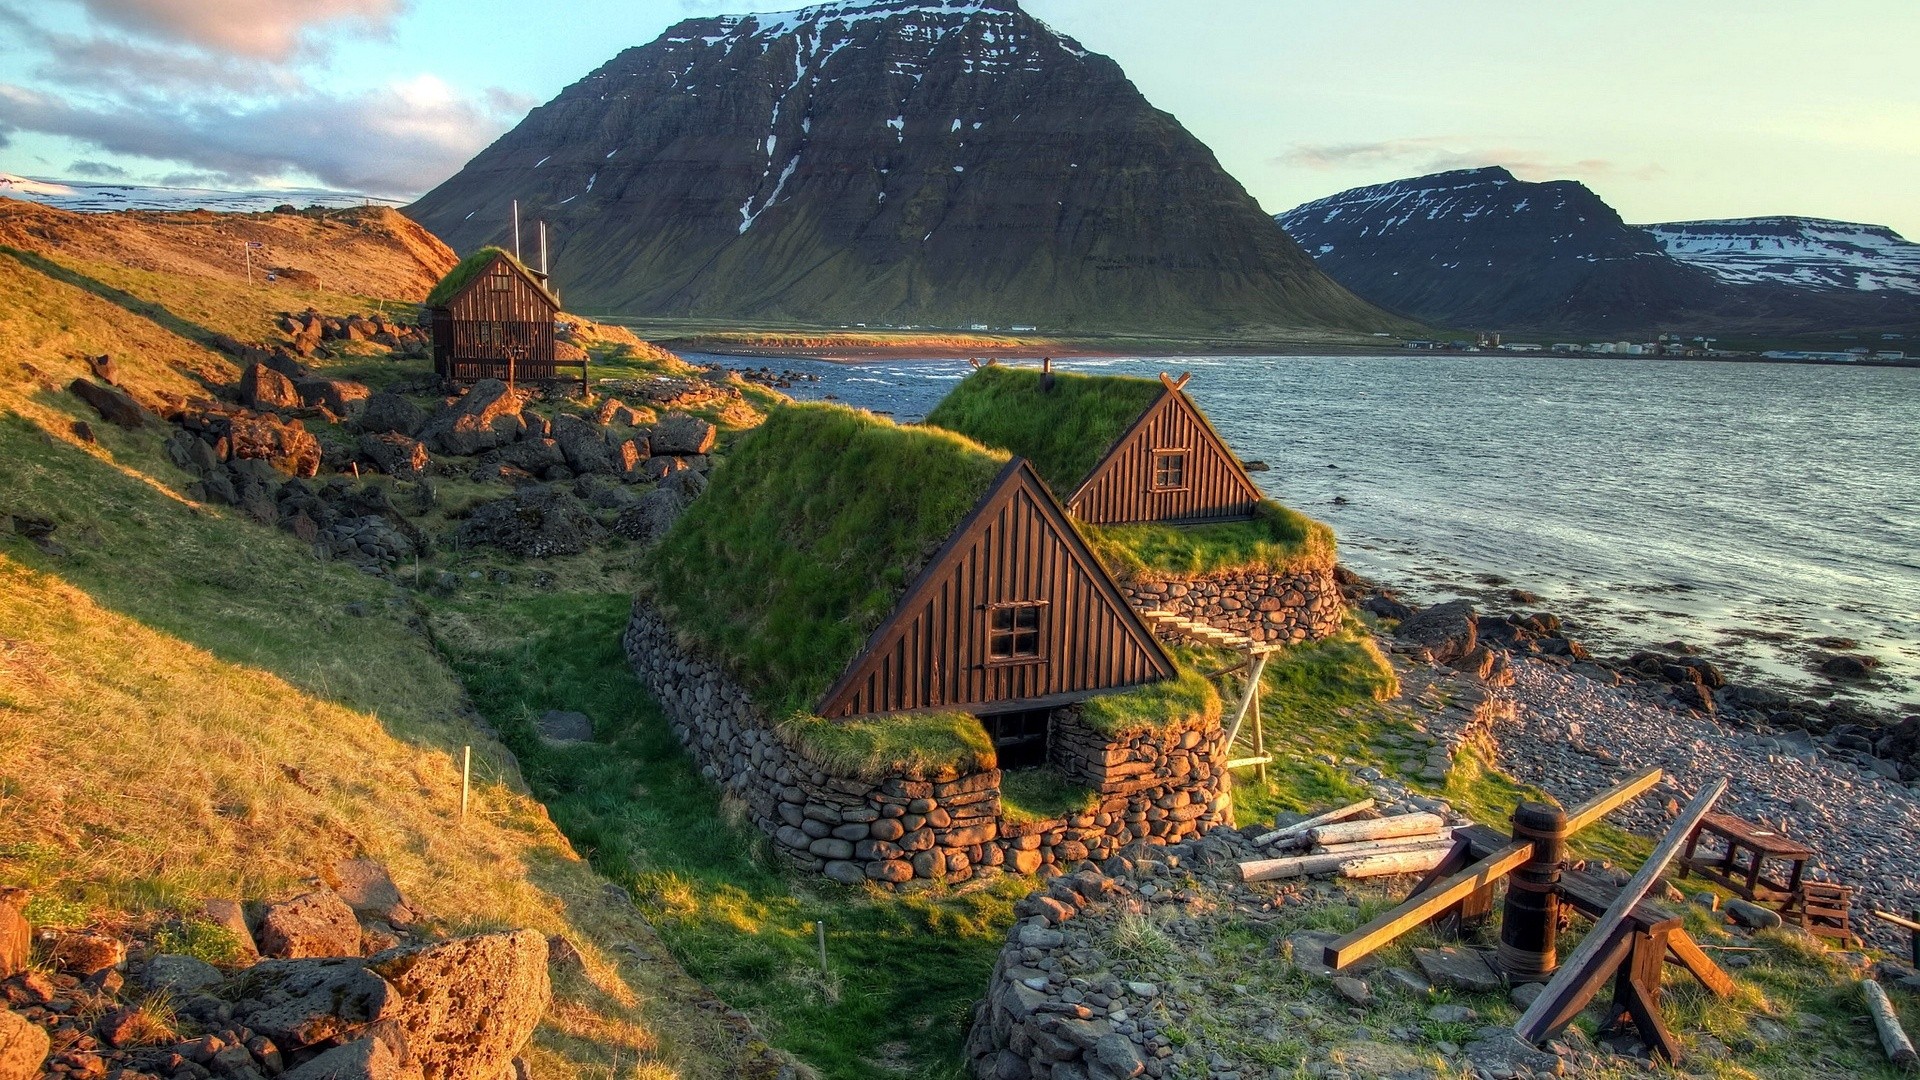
x,y
894,647
492,318
1161,498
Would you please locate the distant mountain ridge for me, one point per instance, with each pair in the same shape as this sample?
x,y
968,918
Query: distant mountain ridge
x,y
91,197
1479,248
911,163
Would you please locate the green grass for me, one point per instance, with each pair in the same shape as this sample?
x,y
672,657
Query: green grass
x,y
1160,706
904,969
1029,795
922,745
1278,539
811,531
1064,432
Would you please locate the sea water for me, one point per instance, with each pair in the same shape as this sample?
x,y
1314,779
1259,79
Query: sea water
x,y
1744,509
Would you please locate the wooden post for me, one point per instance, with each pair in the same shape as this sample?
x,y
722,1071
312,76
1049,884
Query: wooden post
x,y
1893,1039
1531,923
466,778
1246,701
1574,983
1259,736
820,935
1422,906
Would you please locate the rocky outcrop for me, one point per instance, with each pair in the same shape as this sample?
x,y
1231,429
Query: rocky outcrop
x,y
286,446
679,435
318,923
23,1047
341,397
396,455
466,1006
114,406
486,416
387,412
267,390
1447,631
535,522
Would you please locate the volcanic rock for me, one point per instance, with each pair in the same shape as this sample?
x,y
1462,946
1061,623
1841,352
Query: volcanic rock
x,y
488,415
265,389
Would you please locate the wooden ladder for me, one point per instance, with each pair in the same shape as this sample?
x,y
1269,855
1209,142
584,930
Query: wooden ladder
x,y
1161,620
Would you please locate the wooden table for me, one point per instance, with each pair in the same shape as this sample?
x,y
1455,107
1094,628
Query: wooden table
x,y
1758,845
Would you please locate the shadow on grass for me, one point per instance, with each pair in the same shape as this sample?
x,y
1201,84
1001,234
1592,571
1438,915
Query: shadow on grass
x,y
146,309
903,972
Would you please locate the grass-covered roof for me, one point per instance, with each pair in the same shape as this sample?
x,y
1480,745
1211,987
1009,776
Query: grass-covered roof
x,y
1064,431
466,269
1277,539
812,529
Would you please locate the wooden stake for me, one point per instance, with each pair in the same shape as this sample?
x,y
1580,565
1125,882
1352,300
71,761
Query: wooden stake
x,y
1299,828
466,778
820,934
1573,979
1612,799
1246,699
1386,828
1893,1039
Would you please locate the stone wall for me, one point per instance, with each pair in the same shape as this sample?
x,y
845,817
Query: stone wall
x,y
1157,787
1301,606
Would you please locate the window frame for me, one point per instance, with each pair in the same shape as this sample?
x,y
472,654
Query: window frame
x,y
1013,632
1154,468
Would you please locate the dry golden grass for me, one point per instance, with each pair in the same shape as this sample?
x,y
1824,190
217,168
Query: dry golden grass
x,y
139,773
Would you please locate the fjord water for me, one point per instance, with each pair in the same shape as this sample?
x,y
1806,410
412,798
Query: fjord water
x,y
1741,508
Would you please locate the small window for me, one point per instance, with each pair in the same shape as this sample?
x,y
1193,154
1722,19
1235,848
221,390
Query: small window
x,y
1169,470
1013,632
499,282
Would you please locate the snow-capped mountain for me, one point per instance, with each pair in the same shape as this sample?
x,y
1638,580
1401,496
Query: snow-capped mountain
x,y
1479,248
91,197
916,162
1801,252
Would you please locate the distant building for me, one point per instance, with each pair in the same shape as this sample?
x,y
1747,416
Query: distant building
x,y
492,318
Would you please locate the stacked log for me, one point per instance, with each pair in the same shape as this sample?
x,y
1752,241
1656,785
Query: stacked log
x,y
1375,847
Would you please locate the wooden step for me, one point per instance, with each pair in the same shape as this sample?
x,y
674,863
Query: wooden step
x,y
1160,618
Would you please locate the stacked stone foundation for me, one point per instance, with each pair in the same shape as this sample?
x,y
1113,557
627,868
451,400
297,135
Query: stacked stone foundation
x,y
1154,786
1267,607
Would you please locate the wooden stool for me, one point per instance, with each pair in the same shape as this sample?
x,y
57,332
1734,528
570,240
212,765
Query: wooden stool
x,y
1746,876
1822,909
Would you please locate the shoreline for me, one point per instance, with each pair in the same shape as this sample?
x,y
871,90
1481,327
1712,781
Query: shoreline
x,y
877,354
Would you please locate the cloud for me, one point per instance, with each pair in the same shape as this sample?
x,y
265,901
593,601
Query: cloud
x,y
399,139
99,170
102,63
272,30
1436,153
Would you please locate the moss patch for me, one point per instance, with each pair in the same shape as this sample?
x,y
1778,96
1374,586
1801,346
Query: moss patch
x,y
1064,431
1182,701
1030,795
1278,539
812,529
912,744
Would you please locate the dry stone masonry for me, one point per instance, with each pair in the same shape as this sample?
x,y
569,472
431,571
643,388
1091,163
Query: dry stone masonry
x,y
1281,608
1159,787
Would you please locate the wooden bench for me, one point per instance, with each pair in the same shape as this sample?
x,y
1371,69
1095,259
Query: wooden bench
x,y
1742,867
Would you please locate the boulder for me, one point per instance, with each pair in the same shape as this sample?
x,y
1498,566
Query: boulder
x,y
318,923
384,412
584,444
1752,915
16,937
1449,631
1843,666
533,454
561,728
338,396
369,890
261,387
181,975
83,952
303,1002
23,1047
396,454
288,447
649,518
486,416
680,435
1457,969
114,406
614,411
369,1058
534,522
467,1006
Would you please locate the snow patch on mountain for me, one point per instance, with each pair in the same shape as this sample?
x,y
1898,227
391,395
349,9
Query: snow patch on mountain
x,y
1805,253
85,197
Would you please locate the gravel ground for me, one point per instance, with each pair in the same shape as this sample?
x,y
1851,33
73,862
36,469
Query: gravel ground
x,y
1575,737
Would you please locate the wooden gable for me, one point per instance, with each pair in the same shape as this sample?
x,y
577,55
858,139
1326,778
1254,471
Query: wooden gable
x,y
1015,550
1170,466
503,291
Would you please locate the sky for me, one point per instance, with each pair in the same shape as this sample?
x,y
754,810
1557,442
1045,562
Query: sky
x,y
1670,110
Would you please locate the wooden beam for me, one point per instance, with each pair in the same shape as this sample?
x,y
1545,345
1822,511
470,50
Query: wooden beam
x,y
1896,920
1241,763
1389,863
1688,954
1573,976
1246,699
1424,905
1419,823
1612,799
1443,838
1299,828
1893,1039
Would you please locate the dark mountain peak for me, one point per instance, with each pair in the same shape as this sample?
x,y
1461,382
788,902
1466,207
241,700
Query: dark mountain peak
x,y
1810,253
944,163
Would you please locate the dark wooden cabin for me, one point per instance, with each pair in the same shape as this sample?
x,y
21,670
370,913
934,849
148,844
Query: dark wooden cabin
x,y
492,318
1122,449
846,566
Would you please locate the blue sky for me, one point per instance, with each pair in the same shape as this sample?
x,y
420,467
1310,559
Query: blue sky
x,y
1671,110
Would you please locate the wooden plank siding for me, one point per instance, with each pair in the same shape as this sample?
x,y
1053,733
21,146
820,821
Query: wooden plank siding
x,y
1016,546
502,315
1121,488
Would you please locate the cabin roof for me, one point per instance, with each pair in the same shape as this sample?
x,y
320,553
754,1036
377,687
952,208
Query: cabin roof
x,y
809,535
1064,431
467,269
